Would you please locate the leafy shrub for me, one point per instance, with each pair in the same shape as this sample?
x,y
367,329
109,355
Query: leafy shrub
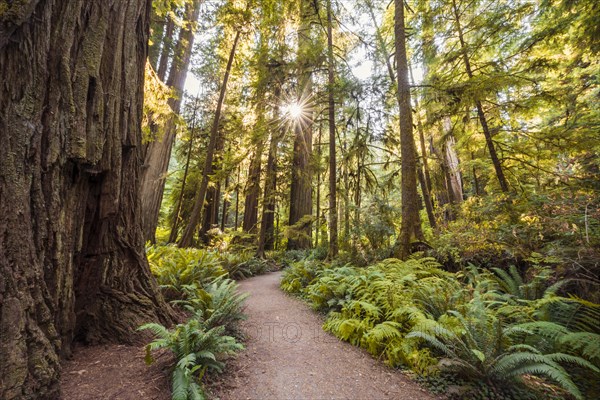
x,y
174,267
244,265
299,275
216,304
480,347
496,328
196,348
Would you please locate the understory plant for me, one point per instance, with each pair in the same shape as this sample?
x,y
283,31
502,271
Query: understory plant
x,y
197,349
491,329
195,281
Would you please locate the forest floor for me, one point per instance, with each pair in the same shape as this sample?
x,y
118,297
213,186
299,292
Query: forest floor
x,y
287,356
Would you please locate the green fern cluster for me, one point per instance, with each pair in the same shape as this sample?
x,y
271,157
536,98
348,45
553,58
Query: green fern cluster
x,y
198,349
244,264
197,282
299,275
217,303
490,326
174,267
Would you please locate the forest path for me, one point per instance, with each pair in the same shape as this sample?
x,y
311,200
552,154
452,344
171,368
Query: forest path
x,y
289,356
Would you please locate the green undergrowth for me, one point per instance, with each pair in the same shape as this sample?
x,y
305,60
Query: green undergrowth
x,y
201,283
477,333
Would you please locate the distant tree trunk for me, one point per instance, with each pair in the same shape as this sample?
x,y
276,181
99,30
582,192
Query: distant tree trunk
x,y
411,222
157,36
480,113
225,205
158,152
301,182
213,194
188,234
237,198
318,171
250,221
177,213
333,217
166,49
72,263
266,237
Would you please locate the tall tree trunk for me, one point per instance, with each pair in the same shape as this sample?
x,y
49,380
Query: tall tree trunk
x,y
301,181
480,113
423,176
333,217
166,49
266,237
211,209
411,222
423,172
72,261
158,153
318,171
250,221
157,35
177,213
225,204
237,198
188,234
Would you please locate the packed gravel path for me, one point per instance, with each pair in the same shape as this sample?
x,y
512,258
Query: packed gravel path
x,y
289,356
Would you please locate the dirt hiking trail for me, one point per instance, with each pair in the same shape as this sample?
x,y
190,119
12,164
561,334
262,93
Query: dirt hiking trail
x,y
289,356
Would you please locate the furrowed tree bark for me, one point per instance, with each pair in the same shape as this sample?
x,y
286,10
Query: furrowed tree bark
x,y
301,181
411,222
72,263
188,234
158,152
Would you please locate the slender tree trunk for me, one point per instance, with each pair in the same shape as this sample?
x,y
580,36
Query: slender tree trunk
x,y
225,205
253,190
423,173
237,198
333,217
211,208
158,153
318,171
166,49
188,234
480,113
72,261
266,237
411,222
157,36
301,181
177,214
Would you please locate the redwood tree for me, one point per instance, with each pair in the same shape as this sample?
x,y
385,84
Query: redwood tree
x,y
72,262
411,222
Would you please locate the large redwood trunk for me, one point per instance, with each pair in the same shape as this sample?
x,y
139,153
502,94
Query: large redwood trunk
x,y
72,262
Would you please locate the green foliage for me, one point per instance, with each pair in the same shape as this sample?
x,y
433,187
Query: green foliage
x,y
197,349
299,275
175,268
244,264
493,328
216,304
